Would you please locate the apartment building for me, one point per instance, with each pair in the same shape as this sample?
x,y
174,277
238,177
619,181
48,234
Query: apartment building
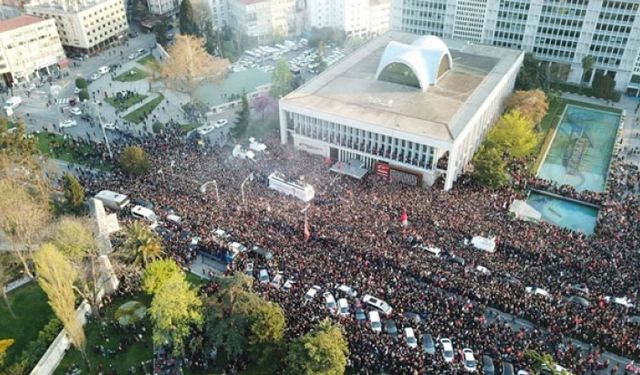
x,y
84,26
561,33
264,20
361,18
29,48
163,7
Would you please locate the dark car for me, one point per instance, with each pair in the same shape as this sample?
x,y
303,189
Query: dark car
x,y
143,202
507,368
391,328
428,346
487,365
360,315
412,317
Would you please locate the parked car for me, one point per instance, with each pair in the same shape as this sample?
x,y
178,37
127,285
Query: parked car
x,y
104,69
75,111
377,303
579,301
330,302
109,126
428,346
343,307
277,280
311,293
391,328
469,361
288,284
410,337
447,350
538,291
360,314
248,269
95,76
624,301
263,276
346,290
487,365
220,123
374,319
507,368
68,123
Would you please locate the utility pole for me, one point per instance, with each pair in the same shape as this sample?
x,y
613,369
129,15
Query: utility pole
x,y
104,133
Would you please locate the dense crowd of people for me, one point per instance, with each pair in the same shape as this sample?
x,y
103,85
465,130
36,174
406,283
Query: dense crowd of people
x,y
356,239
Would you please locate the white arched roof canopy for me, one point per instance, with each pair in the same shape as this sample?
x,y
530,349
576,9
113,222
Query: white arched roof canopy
x,y
423,57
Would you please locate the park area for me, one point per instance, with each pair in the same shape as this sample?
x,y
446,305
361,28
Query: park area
x,y
141,113
132,75
126,102
58,147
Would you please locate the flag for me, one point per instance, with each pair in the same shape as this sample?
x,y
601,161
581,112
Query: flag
x,y
307,233
404,218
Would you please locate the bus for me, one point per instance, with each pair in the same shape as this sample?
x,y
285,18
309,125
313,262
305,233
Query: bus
x,y
113,200
298,189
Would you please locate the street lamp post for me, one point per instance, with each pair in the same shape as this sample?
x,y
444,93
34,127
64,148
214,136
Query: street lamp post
x,y
203,189
249,178
104,133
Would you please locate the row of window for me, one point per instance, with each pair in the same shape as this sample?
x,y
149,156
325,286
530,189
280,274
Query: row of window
x,y
621,5
554,53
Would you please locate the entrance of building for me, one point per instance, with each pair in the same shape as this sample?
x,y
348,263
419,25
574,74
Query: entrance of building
x,y
333,153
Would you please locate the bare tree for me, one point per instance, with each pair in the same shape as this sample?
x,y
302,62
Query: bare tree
x,y
5,278
189,63
56,276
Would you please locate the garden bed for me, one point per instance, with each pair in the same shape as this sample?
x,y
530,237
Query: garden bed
x,y
127,103
56,147
141,113
132,75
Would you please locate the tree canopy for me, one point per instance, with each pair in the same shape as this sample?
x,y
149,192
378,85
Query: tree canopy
x,y
323,352
73,193
142,245
489,167
531,104
157,273
282,81
134,161
532,74
187,21
514,134
244,116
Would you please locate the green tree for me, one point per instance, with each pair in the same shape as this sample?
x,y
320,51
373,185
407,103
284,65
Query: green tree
x,y
603,86
513,134
175,308
158,127
532,74
134,161
73,193
81,83
490,168
56,277
229,313
282,80
160,30
544,363
244,116
15,144
83,95
142,245
157,273
187,23
587,65
267,332
323,352
532,104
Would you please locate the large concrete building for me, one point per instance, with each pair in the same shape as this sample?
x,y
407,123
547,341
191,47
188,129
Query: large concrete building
x,y
362,18
559,32
29,48
163,7
84,26
264,20
413,106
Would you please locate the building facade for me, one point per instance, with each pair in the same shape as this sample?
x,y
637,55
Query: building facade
x,y
265,20
420,113
84,26
29,49
561,33
163,7
362,18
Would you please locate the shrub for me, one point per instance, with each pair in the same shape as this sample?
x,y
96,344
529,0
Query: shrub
x,y
81,83
158,127
84,95
134,161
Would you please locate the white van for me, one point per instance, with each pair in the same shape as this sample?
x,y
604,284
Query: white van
x,y
112,200
175,219
104,69
144,213
374,319
13,102
263,276
343,307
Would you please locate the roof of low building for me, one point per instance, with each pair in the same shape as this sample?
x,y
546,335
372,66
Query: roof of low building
x,y
17,22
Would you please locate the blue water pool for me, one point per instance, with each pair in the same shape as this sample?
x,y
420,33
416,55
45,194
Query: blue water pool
x,y
564,213
581,149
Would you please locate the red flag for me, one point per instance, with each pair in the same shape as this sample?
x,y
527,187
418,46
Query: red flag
x,y
307,233
404,218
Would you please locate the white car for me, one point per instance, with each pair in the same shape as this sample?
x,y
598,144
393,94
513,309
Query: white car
x,y
538,291
76,91
249,269
624,301
68,123
377,303
410,337
347,290
311,293
75,111
331,302
277,281
447,350
95,76
288,284
204,130
220,123
132,56
469,362
263,276
104,69
483,270
343,307
374,319
109,126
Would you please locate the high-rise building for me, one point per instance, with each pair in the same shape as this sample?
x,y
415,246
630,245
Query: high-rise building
x,y
561,33
263,20
361,18
84,26
29,48
163,7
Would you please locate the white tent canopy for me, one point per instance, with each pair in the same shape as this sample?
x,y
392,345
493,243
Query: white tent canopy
x,y
484,243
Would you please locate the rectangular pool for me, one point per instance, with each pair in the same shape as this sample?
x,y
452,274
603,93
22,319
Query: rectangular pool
x,y
581,149
564,213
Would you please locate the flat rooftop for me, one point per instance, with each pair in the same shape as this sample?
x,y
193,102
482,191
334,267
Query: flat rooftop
x,y
18,22
349,89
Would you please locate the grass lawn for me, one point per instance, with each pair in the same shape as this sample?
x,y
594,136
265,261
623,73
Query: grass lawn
x,y
195,280
123,106
29,304
139,114
146,59
131,75
137,352
55,147
185,128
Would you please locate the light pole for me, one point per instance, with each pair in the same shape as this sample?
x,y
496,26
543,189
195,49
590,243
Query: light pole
x,y
104,133
249,178
203,189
